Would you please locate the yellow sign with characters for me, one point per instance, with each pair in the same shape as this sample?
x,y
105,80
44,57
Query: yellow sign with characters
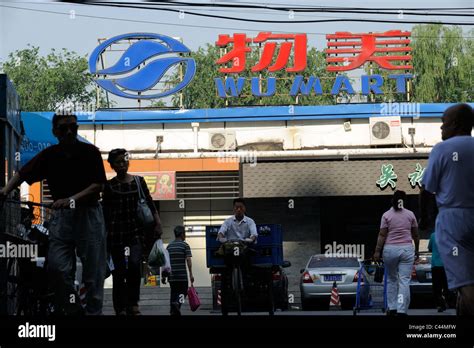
x,y
162,185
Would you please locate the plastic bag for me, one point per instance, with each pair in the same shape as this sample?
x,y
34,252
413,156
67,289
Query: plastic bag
x,y
157,256
194,301
379,273
166,268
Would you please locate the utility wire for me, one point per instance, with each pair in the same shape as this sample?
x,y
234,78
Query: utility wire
x,y
177,25
269,11
275,21
301,8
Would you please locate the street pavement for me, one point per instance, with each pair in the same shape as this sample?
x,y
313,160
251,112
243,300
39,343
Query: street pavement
x,y
155,301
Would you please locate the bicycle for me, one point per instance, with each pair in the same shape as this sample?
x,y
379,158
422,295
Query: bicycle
x,y
234,256
26,223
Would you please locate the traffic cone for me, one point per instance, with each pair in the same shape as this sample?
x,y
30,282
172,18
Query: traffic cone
x,y
335,302
82,295
219,299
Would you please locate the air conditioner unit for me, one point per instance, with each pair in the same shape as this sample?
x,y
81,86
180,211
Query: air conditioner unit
x,y
221,141
385,130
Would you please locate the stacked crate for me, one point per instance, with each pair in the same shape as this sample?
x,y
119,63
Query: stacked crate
x,y
269,246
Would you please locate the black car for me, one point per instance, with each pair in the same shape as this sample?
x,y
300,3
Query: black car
x,y
255,303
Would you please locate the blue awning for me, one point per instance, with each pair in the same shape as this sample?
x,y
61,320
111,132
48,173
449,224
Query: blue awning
x,y
258,113
38,134
264,113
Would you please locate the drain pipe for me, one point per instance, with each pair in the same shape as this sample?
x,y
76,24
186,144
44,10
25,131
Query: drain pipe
x,y
195,126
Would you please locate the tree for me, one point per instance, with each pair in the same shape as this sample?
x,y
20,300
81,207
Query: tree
x,y
46,83
443,64
442,67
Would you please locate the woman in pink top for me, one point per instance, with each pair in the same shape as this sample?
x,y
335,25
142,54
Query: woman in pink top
x,y
397,229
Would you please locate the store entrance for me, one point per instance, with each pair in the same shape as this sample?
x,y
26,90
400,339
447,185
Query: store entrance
x,y
355,219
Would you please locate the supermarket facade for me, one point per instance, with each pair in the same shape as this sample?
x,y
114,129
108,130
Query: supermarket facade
x,y
325,173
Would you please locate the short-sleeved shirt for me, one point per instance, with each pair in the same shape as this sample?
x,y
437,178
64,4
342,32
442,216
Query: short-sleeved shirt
x,y
178,250
399,224
433,247
233,229
67,169
120,202
450,172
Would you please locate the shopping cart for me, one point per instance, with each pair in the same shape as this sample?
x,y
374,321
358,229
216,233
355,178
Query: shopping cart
x,y
25,228
371,292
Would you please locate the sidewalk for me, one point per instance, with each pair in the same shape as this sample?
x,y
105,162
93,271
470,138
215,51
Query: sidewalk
x,y
155,301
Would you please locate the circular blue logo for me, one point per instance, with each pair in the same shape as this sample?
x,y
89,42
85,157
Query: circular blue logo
x,y
128,77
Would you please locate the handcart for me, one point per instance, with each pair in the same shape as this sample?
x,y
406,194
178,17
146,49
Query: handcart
x,y
371,292
240,290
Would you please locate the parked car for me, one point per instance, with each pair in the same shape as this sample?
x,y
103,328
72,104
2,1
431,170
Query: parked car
x,y
280,290
319,275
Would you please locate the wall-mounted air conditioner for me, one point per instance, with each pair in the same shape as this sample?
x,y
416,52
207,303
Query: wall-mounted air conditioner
x,y
221,141
385,130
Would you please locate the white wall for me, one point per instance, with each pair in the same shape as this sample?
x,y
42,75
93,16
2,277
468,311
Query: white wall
x,y
293,134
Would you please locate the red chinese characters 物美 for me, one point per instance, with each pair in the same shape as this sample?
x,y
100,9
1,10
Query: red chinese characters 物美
x,y
237,55
368,47
299,41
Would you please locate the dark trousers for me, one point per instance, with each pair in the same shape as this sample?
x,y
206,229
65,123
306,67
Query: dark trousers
x,y
179,291
465,301
126,275
440,286
78,231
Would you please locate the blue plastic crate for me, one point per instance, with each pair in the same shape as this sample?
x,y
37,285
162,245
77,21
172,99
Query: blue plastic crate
x,y
269,234
211,259
268,254
269,246
211,235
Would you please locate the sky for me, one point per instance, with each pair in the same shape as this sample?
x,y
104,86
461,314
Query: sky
x,y
78,27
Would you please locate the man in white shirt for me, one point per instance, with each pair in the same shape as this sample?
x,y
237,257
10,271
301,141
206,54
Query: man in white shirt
x,y
238,226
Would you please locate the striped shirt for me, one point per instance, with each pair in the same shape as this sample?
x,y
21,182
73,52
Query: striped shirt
x,y
178,250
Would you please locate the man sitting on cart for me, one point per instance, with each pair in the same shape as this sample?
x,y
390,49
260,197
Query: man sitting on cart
x,y
237,231
238,227
235,234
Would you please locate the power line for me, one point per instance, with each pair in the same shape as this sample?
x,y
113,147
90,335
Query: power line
x,y
119,5
285,7
177,25
300,14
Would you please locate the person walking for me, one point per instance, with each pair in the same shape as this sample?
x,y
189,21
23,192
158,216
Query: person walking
x,y
449,177
75,175
441,293
440,283
127,240
397,229
180,256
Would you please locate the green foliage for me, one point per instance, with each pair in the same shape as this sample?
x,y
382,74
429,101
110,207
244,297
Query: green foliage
x,y
443,64
44,83
200,93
